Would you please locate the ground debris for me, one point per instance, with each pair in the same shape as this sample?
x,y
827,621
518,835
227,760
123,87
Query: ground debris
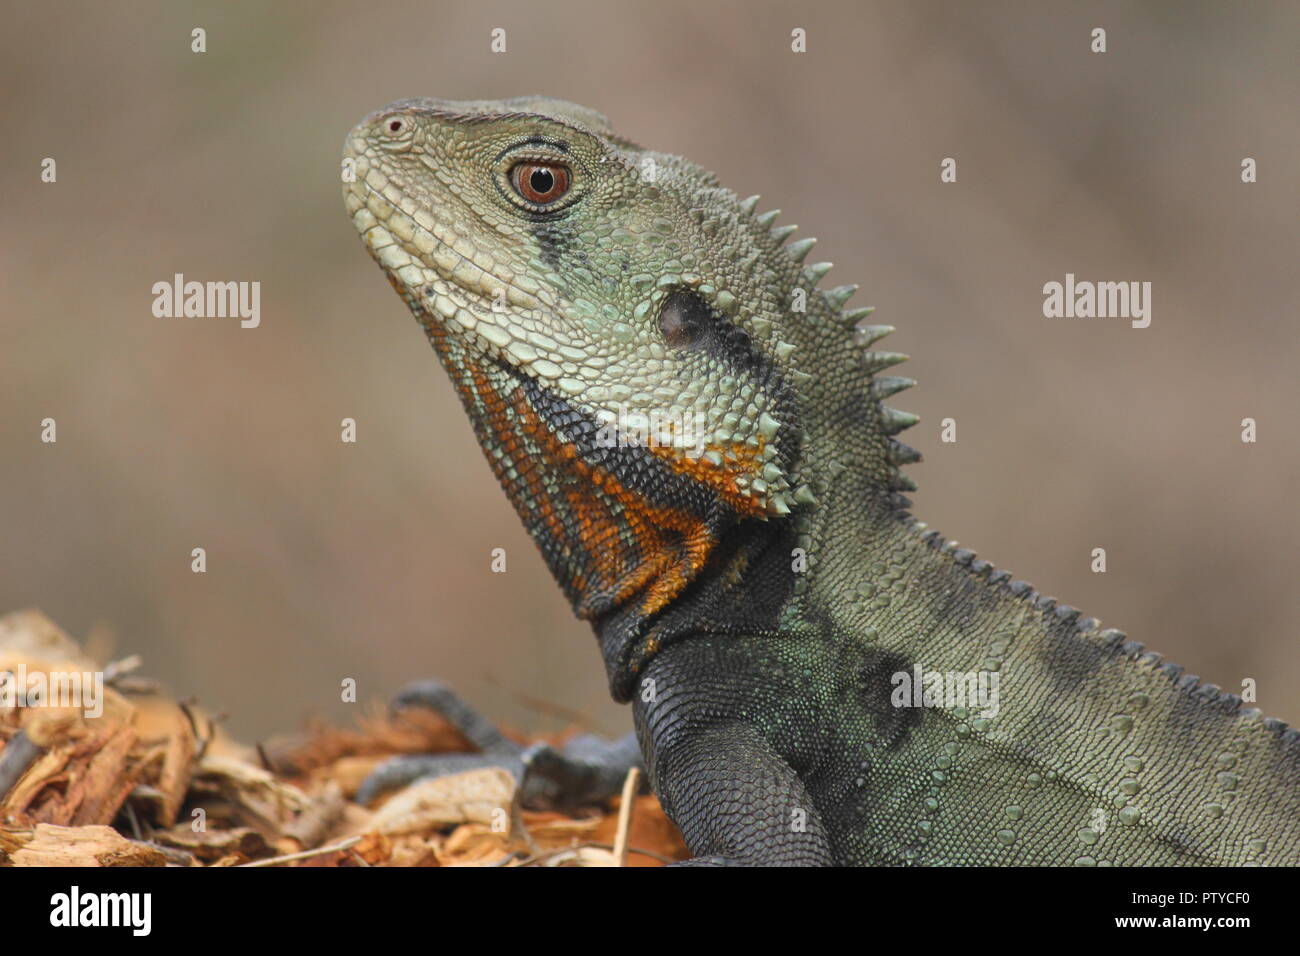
x,y
126,776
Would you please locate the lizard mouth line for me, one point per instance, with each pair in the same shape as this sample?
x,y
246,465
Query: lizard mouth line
x,y
450,291
482,286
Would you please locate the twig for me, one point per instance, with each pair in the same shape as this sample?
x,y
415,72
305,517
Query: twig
x,y
118,669
135,821
625,815
202,741
305,854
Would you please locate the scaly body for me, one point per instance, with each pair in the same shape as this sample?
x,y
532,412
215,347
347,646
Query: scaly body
x,y
693,432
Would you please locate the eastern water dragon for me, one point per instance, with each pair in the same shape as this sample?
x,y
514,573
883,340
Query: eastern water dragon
x,y
694,432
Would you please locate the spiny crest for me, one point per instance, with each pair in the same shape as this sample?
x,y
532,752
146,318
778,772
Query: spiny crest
x,y
1116,640
892,420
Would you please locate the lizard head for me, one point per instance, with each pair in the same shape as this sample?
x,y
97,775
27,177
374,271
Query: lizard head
x,y
613,319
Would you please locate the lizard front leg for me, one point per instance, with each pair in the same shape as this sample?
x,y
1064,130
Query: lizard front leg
x,y
736,800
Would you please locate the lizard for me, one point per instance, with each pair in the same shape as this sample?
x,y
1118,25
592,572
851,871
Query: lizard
x,y
692,427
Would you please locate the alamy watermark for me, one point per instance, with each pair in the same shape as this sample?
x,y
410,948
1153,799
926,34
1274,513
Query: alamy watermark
x,y
1098,300
976,690
83,690
208,300
659,428
133,911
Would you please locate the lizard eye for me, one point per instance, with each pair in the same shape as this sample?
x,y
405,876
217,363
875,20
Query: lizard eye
x,y
540,183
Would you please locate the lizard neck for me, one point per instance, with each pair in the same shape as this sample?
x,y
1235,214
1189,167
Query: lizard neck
x,y
647,552
776,575
745,588
758,575
624,533
877,578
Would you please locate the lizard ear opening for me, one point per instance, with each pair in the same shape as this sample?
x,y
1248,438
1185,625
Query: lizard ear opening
x,y
689,322
684,320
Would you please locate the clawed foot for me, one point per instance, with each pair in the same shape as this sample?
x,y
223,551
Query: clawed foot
x,y
587,771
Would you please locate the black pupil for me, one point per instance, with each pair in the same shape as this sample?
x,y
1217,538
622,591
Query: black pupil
x,y
542,181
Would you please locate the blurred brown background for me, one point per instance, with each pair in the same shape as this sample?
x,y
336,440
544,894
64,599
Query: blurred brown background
x,y
371,560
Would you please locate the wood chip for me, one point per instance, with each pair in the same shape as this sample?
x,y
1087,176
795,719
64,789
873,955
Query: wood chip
x,y
49,845
477,796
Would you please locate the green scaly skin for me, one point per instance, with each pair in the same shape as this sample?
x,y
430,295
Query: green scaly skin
x,y
756,598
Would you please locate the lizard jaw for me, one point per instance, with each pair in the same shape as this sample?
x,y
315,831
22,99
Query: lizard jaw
x,y
445,282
